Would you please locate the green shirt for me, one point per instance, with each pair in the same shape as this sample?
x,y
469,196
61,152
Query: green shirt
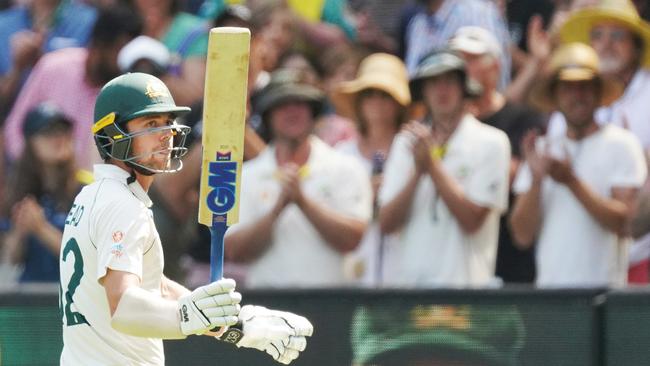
x,y
187,36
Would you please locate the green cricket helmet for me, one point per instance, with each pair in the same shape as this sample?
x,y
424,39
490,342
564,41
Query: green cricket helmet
x,y
125,98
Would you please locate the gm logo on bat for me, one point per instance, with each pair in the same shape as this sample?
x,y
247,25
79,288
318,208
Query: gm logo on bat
x,y
222,181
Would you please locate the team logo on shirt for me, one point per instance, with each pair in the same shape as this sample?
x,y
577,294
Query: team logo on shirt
x,y
117,250
117,236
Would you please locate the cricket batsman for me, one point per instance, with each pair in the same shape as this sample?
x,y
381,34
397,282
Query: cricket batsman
x,y
116,304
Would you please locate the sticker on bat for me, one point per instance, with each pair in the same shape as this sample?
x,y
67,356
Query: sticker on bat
x,y
222,183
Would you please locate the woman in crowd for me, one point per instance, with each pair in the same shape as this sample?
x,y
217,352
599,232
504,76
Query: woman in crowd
x,y
39,195
378,100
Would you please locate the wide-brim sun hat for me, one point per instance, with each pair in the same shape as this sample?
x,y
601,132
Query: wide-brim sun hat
x,y
573,62
578,25
379,71
437,63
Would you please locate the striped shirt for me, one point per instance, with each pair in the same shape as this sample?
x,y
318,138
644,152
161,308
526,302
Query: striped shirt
x,y
427,32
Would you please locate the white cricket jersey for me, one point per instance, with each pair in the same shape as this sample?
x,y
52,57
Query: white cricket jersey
x,y
433,250
111,226
298,255
573,249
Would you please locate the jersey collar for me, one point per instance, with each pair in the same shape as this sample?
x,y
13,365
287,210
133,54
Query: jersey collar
x,y
110,171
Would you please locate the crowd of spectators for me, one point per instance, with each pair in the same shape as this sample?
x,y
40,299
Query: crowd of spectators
x,y
429,144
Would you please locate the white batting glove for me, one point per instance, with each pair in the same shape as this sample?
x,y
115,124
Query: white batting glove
x,y
209,306
279,333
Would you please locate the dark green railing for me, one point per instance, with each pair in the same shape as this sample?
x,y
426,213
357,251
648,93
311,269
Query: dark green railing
x,y
530,327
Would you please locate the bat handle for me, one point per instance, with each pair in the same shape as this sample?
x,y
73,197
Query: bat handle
x,y
217,232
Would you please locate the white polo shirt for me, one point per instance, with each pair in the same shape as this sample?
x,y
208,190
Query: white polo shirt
x,y
109,226
298,256
434,251
573,249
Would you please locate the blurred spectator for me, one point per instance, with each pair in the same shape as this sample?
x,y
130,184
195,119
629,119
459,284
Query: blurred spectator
x,y
520,12
186,37
330,127
622,40
458,335
321,23
71,78
338,64
445,184
481,52
273,30
302,203
32,28
577,191
377,100
144,54
437,21
40,193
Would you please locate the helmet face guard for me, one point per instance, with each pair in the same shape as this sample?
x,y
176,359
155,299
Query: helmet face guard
x,y
115,142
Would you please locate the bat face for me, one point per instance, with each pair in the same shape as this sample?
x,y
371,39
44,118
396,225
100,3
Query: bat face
x,y
224,120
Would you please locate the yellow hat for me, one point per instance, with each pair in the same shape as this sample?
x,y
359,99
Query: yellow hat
x,y
579,24
573,62
377,71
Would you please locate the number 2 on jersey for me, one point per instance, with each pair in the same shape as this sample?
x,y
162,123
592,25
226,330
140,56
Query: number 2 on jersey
x,y
73,317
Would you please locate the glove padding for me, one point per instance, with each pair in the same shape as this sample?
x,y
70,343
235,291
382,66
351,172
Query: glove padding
x,y
209,306
279,333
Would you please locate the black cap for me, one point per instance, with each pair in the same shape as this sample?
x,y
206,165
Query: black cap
x,y
42,119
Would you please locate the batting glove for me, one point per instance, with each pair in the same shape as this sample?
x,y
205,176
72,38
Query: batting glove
x,y
279,333
209,306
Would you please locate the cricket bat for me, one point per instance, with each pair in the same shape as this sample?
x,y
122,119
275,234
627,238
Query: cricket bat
x,y
224,119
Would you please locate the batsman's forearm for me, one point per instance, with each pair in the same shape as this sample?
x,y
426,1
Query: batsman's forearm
x,y
141,313
395,212
172,290
526,218
342,232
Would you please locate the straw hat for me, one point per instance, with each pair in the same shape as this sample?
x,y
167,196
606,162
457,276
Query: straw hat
x,y
377,71
578,26
573,62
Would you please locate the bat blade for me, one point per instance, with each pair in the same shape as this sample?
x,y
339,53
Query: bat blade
x,y
224,118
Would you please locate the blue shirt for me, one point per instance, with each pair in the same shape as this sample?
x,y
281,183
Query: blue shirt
x,y
72,27
426,32
40,264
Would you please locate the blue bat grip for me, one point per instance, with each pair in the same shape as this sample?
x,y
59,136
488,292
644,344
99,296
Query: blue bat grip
x,y
217,232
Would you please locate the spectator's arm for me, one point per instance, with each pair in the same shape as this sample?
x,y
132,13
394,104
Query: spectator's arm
x,y
526,217
394,213
342,232
253,143
247,241
539,44
470,216
613,213
13,248
187,88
